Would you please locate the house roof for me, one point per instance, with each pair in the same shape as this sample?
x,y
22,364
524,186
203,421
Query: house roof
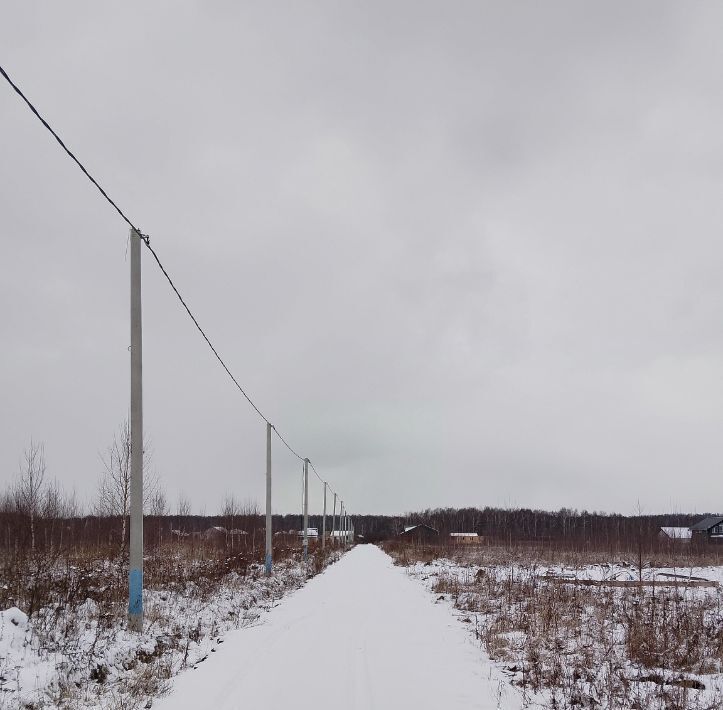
x,y
707,523
677,533
409,528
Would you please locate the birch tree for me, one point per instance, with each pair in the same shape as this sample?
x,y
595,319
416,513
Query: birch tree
x,y
31,485
114,489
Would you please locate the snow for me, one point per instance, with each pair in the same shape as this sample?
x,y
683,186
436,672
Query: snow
x,y
16,656
362,633
677,533
630,572
582,646
82,657
15,617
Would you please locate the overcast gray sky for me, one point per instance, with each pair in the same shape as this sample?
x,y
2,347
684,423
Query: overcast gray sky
x,y
460,253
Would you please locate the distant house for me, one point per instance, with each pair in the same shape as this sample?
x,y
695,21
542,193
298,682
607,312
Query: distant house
x,y
311,532
237,537
215,533
675,534
420,533
465,538
340,537
710,528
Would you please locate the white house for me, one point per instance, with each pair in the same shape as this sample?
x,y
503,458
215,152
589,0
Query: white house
x,y
311,532
675,533
341,534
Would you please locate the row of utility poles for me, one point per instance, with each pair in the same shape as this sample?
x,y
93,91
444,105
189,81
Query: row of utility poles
x,y
345,534
135,569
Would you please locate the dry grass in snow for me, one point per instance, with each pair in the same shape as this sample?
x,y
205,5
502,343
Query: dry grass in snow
x,y
72,650
570,633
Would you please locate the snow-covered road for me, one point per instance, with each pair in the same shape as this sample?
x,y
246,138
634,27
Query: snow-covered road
x,y
360,636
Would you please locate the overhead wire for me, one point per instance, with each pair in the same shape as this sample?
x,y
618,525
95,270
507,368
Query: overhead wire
x,y
287,445
19,92
146,240
144,237
202,332
317,475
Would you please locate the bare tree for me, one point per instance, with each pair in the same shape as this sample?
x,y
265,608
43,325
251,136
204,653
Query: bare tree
x,y
8,502
72,507
30,488
114,489
230,511
250,514
231,507
184,506
53,501
159,506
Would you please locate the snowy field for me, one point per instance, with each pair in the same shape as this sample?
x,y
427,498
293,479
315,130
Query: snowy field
x,y
588,636
81,656
486,630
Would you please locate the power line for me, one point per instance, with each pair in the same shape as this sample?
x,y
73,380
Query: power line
x,y
301,458
201,331
317,473
144,237
19,92
287,445
146,240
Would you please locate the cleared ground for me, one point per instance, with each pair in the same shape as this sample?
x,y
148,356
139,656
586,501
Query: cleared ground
x,y
361,635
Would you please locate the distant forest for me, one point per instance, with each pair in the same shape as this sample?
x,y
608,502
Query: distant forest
x,y
37,514
525,525
565,527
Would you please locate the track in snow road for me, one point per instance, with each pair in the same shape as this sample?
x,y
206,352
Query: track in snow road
x,y
362,635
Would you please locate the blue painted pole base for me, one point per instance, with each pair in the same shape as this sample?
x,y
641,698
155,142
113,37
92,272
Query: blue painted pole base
x,y
135,600
268,565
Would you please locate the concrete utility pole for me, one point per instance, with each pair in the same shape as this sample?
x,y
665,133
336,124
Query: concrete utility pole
x,y
269,538
135,571
306,509
333,521
323,524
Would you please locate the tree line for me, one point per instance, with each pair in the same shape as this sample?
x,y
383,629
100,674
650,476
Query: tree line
x,y
568,527
35,512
